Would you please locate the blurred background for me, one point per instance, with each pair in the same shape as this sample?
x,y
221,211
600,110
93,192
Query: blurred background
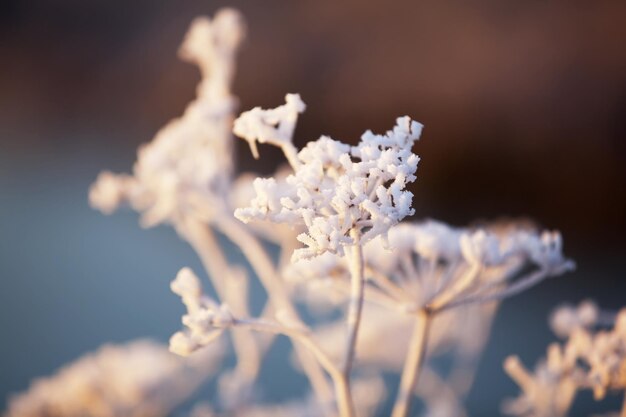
x,y
524,107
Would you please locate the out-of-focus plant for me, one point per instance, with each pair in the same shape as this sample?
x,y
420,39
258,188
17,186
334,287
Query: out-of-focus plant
x,y
138,379
593,357
387,295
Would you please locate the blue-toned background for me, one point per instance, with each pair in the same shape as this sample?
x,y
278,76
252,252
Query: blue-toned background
x,y
525,111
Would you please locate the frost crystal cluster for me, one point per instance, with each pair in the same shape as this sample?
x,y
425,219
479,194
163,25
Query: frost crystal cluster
x,y
336,188
381,295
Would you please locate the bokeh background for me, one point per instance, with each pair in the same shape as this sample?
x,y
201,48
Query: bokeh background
x,y
524,104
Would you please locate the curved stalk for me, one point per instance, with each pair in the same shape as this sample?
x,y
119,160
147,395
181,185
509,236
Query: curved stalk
x,y
342,387
278,296
204,243
413,364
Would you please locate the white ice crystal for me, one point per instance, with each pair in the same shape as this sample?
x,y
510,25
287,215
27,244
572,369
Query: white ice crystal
x,y
138,379
205,319
186,169
337,188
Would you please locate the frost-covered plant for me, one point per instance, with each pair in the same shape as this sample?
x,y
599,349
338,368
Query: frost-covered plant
x,y
184,175
593,357
343,195
138,379
336,213
433,268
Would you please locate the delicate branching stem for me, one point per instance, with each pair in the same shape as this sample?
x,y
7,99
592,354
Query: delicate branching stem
x,y
375,296
413,364
357,285
291,153
457,288
300,338
205,244
513,289
296,334
261,262
387,285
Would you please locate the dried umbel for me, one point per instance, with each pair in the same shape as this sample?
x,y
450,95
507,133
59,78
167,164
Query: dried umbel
x,y
336,214
429,265
593,357
336,191
186,169
429,272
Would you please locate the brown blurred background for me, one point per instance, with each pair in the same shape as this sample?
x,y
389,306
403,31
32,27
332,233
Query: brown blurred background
x,y
523,102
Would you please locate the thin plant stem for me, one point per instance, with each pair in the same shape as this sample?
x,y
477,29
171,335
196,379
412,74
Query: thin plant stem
x,y
387,285
298,335
413,364
278,296
355,308
205,244
449,294
353,321
513,289
342,386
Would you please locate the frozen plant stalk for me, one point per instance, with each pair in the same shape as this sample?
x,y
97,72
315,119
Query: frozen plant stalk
x,y
183,176
343,195
345,204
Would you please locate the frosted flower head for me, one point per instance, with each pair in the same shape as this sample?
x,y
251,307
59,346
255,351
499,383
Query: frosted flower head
x,y
244,189
430,264
337,189
205,319
480,247
185,171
